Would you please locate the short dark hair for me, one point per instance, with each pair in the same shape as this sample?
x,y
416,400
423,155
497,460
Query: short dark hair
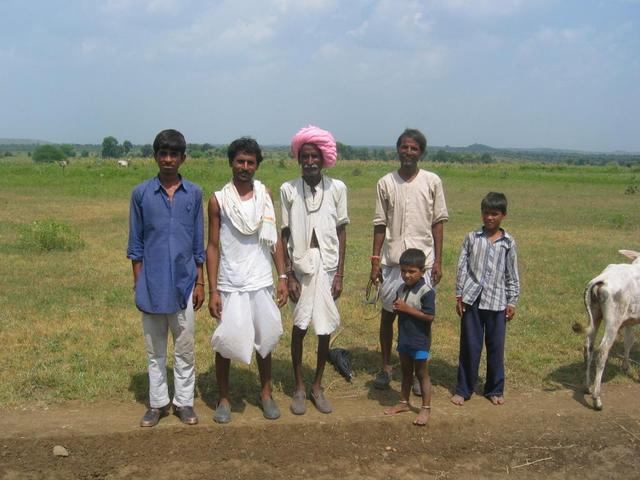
x,y
170,140
414,134
244,145
494,201
413,256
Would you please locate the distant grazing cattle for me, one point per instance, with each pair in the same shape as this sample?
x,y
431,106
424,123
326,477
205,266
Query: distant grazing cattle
x,y
123,163
612,298
63,163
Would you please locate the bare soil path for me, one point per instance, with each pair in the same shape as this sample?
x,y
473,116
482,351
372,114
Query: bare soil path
x,y
551,435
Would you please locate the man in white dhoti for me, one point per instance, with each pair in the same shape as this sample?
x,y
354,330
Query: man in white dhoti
x,y
243,240
314,220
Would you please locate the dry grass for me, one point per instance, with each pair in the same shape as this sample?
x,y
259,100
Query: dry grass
x,y
70,328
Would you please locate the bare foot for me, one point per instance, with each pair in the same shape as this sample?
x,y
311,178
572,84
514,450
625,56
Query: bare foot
x,y
457,400
497,399
423,416
399,407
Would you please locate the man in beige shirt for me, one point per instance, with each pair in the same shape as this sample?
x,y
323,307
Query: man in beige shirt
x,y
410,213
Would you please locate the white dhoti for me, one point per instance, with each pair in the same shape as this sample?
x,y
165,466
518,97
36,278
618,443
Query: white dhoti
x,y
315,305
391,281
250,320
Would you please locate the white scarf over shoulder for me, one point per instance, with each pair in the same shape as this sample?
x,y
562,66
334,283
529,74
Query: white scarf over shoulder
x,y
264,222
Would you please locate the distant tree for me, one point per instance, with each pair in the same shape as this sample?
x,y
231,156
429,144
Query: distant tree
x,y
110,148
48,153
486,158
146,150
84,153
127,146
345,152
441,156
68,150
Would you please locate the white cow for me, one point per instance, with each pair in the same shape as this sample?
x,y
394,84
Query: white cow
x,y
613,298
123,163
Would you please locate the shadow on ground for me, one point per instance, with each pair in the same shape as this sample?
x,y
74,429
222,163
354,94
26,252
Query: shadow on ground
x,y
572,376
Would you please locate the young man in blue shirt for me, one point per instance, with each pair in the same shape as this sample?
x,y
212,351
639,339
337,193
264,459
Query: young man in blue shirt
x,y
166,248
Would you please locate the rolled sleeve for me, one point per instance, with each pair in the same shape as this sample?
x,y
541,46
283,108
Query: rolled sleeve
x,y
199,254
440,213
463,265
512,278
380,215
285,205
342,217
135,246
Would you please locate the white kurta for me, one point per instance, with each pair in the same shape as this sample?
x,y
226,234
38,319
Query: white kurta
x,y
304,213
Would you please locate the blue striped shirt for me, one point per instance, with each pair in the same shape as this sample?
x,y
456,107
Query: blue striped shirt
x,y
168,238
488,270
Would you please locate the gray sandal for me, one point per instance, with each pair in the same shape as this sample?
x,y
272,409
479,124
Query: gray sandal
x,y
222,413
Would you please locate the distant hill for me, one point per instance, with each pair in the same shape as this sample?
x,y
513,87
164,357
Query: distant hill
x,y
22,141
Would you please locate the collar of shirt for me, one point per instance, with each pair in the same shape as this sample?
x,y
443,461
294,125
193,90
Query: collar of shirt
x,y
505,235
158,186
417,286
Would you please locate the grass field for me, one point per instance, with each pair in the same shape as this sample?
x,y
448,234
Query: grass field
x,y
70,329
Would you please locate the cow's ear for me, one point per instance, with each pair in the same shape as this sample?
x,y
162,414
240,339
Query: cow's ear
x,y
630,254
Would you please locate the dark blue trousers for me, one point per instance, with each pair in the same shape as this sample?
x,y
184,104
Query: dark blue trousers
x,y
478,325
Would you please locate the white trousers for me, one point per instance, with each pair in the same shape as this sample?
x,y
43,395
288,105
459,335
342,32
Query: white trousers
x,y
156,329
250,320
391,282
316,305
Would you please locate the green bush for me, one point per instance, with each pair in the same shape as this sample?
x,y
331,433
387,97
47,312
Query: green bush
x,y
48,235
48,153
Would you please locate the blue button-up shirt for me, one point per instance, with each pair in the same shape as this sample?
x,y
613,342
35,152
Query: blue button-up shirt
x,y
168,238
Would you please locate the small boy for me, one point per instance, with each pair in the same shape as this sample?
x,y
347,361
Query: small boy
x,y
415,306
487,290
166,249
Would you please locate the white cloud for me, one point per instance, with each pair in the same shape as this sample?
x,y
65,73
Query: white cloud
x,y
149,6
483,7
302,5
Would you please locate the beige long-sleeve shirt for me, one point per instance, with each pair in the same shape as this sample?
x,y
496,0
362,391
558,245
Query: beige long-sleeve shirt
x,y
408,210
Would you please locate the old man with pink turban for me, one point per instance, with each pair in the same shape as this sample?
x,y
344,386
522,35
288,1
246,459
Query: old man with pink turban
x,y
314,220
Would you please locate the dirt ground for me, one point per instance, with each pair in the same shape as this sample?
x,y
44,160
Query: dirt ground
x,y
554,435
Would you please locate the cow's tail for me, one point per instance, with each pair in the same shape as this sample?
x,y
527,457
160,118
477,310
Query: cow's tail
x,y
591,295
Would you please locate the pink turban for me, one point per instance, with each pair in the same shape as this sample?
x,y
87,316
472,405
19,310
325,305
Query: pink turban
x,y
321,139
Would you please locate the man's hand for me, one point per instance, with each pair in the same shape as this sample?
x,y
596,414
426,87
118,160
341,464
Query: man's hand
x,y
436,273
198,297
293,287
460,307
336,288
281,292
511,312
215,305
376,273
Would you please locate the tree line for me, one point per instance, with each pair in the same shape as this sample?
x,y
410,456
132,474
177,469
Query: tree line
x,y
112,148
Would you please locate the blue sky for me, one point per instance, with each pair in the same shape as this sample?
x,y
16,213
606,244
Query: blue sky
x,y
508,73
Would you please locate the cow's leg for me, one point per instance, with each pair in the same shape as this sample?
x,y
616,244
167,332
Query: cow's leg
x,y
609,337
628,343
592,330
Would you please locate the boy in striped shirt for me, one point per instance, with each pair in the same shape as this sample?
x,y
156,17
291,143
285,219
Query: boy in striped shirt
x,y
487,290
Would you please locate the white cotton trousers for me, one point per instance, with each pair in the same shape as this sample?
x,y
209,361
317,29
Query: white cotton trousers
x,y
250,320
156,329
391,282
316,305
